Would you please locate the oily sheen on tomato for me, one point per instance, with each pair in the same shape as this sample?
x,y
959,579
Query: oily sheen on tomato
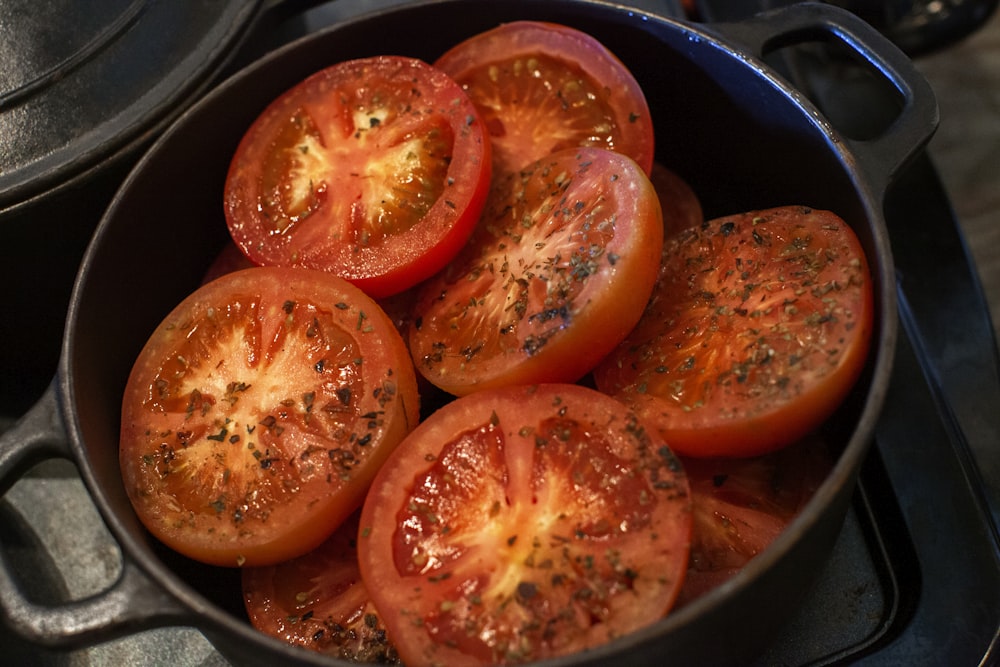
x,y
542,87
374,169
757,329
318,601
556,274
258,412
524,523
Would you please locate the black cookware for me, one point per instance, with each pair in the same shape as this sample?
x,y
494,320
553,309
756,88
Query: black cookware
x,y
740,135
85,87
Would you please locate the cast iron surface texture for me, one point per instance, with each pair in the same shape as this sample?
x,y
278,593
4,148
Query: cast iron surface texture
x,y
80,81
84,88
94,360
918,27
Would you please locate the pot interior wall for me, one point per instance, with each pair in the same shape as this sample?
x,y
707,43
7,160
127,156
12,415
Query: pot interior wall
x,y
738,141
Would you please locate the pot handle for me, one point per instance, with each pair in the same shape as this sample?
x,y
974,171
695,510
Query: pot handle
x,y
881,157
130,604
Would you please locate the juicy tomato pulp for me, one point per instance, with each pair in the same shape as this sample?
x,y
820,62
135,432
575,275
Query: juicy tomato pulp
x,y
319,601
542,87
523,523
374,169
757,328
556,274
258,412
742,505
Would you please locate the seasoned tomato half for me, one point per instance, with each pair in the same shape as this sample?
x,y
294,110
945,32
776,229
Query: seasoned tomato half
x,y
556,274
523,523
757,329
258,412
374,169
542,87
742,505
318,601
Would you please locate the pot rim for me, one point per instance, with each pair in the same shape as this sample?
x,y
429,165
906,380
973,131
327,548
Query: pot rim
x,y
113,141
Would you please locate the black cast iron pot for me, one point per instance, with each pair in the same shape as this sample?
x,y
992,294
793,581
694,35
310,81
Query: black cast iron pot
x,y
740,135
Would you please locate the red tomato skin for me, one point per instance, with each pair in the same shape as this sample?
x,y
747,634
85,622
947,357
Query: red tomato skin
x,y
473,535
557,273
523,130
371,215
222,455
758,328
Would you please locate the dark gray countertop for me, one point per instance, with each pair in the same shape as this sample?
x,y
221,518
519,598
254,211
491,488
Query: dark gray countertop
x,y
966,148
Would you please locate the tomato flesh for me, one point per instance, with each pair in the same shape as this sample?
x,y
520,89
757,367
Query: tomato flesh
x,y
742,505
681,205
375,169
523,523
318,601
542,87
757,329
556,274
258,412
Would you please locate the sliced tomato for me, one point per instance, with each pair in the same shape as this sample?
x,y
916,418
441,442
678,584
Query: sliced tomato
x,y
374,169
556,274
681,206
229,259
542,87
524,523
742,505
258,412
399,308
318,601
757,329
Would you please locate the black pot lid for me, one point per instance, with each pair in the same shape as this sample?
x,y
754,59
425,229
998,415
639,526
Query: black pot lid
x,y
82,82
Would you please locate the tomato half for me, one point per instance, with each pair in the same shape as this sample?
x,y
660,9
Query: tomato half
x,y
374,169
681,206
318,601
556,274
742,505
757,329
229,259
542,87
524,523
258,412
